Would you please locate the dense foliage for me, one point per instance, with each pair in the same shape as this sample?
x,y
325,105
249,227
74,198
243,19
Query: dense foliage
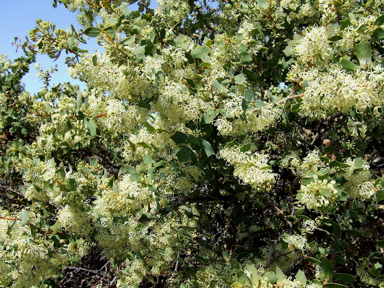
x,y
217,144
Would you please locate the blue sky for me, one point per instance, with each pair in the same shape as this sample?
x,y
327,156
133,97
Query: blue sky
x,y
17,17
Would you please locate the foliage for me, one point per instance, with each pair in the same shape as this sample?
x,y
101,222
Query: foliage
x,y
217,144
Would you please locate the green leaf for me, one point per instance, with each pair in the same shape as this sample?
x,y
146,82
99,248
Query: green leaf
x,y
110,31
207,148
378,33
209,116
326,192
189,58
336,228
24,217
144,145
93,162
259,104
48,187
245,148
185,234
255,278
239,79
379,21
180,39
307,181
219,87
234,264
359,162
96,108
300,276
249,95
377,266
71,41
128,169
150,128
71,183
91,127
272,278
245,58
346,278
280,275
55,228
334,285
94,60
348,65
78,101
129,41
135,177
225,255
179,137
263,3
230,32
363,52
345,23
160,164
327,268
92,32
335,38
61,173
201,51
250,75
314,260
183,154
362,29
148,160
141,168
380,195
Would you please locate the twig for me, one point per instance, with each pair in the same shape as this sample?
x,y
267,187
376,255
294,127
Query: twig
x,y
315,139
104,265
113,280
270,261
282,101
85,270
30,224
21,195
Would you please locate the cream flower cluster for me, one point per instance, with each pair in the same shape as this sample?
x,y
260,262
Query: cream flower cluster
x,y
314,47
359,183
318,194
250,168
337,90
29,257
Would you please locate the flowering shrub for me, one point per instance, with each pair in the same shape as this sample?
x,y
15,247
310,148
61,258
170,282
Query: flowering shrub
x,y
217,144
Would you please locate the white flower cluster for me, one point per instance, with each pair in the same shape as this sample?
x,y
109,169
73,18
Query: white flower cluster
x,y
26,256
337,90
172,12
359,183
314,47
256,120
296,241
318,194
126,199
250,168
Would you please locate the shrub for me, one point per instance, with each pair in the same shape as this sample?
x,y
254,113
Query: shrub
x,y
217,144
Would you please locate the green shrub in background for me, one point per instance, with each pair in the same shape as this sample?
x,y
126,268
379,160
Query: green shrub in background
x,y
217,144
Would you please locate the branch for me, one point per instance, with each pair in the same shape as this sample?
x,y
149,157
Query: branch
x,y
270,261
23,196
82,269
30,224
290,98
